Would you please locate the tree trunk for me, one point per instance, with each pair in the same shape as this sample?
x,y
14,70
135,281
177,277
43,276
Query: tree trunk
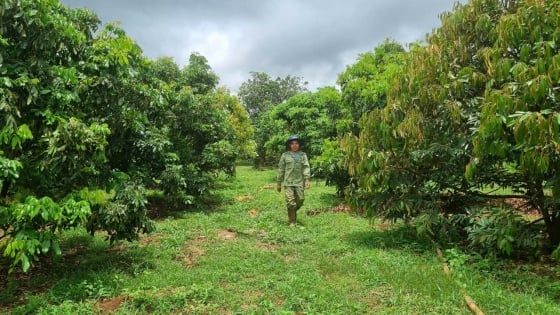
x,y
550,216
4,190
553,229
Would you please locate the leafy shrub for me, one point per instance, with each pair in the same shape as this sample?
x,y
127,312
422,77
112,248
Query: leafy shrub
x,y
125,216
175,183
31,226
443,229
502,230
328,165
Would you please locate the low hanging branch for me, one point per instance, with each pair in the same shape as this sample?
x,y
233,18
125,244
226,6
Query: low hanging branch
x,y
491,196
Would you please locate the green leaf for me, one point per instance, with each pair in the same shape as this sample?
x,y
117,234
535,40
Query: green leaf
x,y
25,264
45,246
56,248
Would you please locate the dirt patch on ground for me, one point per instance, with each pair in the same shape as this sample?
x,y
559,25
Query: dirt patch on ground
x,y
259,233
384,225
227,235
190,255
253,297
192,251
253,213
266,246
375,298
244,197
523,205
108,306
340,208
150,239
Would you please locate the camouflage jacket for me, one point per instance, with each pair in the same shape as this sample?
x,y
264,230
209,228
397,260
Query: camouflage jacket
x,y
293,169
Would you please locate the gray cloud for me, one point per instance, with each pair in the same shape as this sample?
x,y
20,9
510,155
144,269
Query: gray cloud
x,y
313,39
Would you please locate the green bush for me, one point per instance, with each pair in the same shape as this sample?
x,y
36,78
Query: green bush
x,y
504,231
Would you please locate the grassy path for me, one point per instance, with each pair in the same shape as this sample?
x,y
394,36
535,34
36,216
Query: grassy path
x,y
240,257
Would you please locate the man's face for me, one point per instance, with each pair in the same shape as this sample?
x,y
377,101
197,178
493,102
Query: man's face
x,y
294,145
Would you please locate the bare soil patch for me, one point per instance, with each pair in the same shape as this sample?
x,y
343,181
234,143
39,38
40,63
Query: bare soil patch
x,y
192,251
227,235
150,239
244,197
339,208
108,306
524,206
253,213
266,246
291,258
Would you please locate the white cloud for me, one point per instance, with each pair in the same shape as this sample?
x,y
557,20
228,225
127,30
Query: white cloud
x,y
313,39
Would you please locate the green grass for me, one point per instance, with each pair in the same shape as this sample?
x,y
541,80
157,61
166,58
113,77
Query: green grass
x,y
331,263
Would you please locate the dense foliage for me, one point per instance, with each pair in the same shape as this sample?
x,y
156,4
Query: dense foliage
x,y
363,88
260,94
312,116
473,110
89,124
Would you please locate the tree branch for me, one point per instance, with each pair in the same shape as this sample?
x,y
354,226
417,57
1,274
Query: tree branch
x,y
489,196
537,220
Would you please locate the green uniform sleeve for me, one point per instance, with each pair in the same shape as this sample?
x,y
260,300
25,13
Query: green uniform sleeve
x,y
281,170
306,168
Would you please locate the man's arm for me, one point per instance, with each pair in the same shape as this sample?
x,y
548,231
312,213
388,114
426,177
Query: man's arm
x,y
281,172
306,171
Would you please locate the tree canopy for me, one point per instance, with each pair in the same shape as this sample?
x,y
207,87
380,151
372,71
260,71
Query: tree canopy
x,y
89,124
473,109
261,92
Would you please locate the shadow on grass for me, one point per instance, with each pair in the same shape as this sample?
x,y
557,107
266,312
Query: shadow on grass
x,y
160,208
88,268
394,237
330,199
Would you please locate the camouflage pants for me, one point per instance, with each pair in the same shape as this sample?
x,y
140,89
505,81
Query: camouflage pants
x,y
294,200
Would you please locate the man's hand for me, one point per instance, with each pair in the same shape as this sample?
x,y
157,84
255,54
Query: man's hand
x,y
279,188
307,184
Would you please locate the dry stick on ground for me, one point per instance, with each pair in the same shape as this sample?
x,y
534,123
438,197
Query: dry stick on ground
x,y
468,300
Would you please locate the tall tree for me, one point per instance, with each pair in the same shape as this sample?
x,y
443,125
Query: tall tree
x,y
480,96
88,122
261,92
165,69
519,133
242,134
310,115
364,84
199,75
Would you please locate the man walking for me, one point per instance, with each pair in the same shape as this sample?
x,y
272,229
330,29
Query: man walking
x,y
293,174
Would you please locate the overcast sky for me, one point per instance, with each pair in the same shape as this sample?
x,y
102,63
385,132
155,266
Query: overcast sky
x,y
312,39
